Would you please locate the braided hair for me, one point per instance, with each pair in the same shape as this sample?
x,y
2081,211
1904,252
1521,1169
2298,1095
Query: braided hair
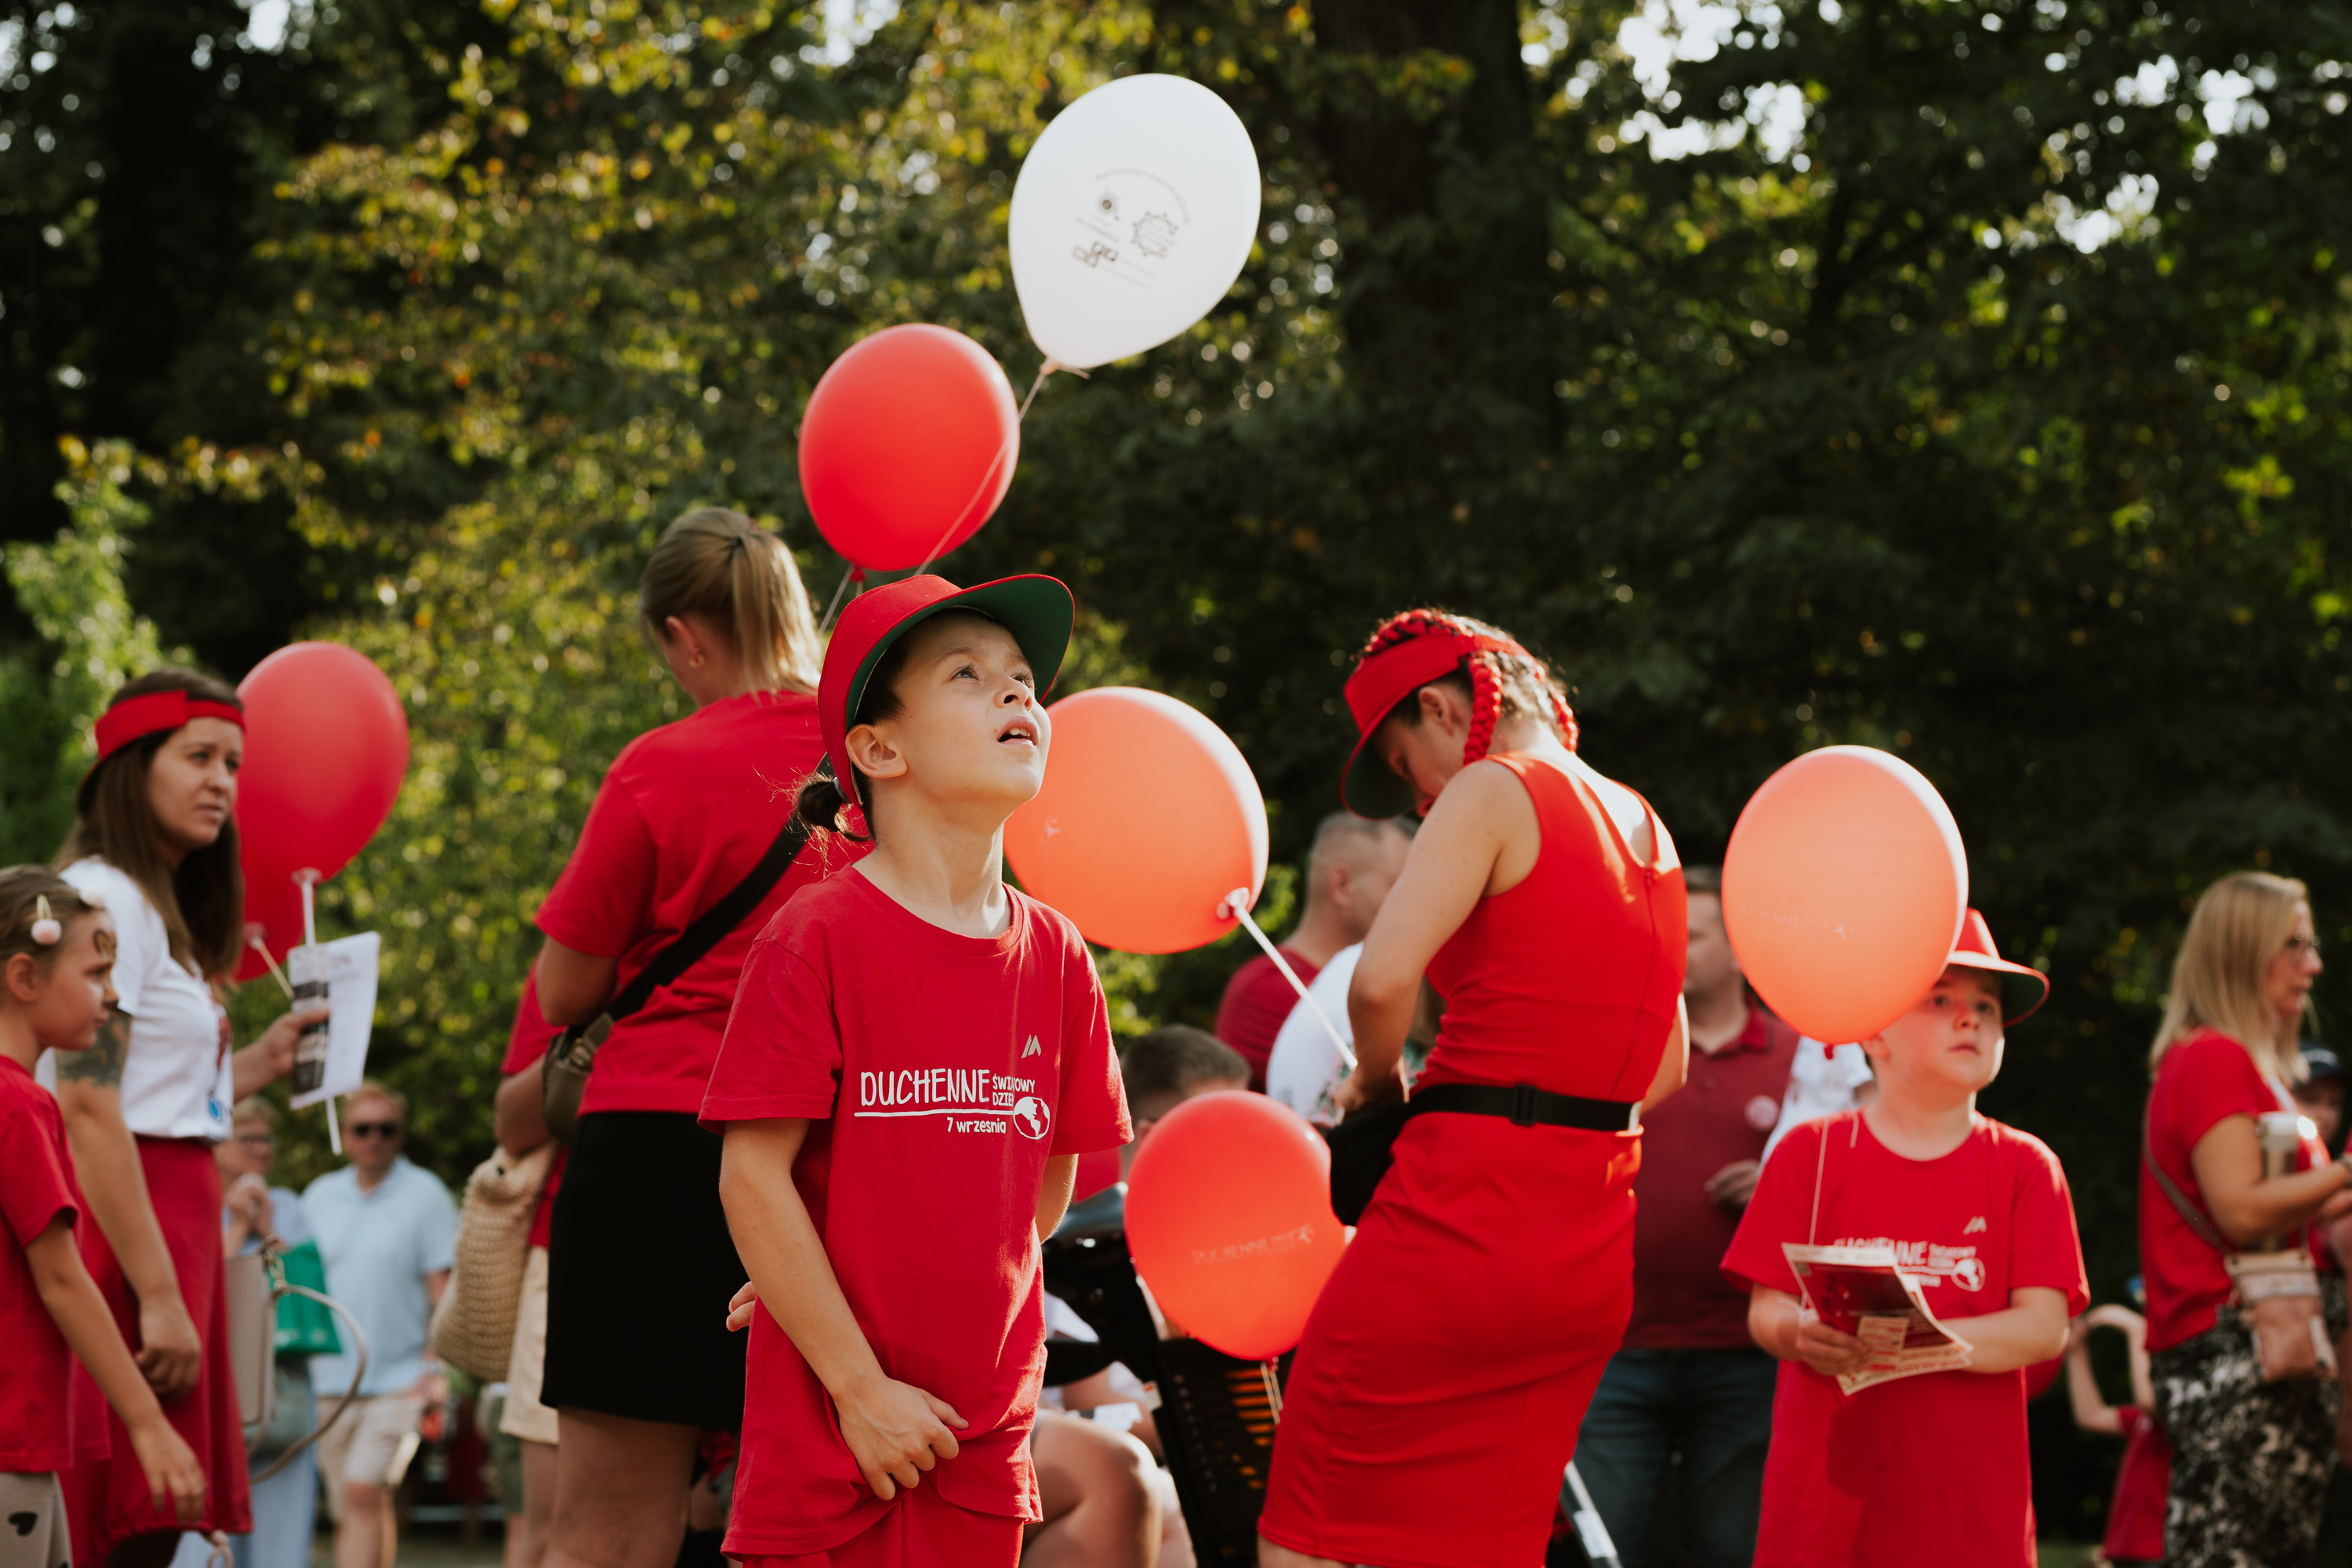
x,y
1499,683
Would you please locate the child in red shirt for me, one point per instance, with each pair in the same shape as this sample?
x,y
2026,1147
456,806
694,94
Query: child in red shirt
x,y
1929,1471
56,949
2136,1516
916,1056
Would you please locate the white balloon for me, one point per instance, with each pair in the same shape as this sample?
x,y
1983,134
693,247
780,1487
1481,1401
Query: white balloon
x,y
1303,1071
1133,215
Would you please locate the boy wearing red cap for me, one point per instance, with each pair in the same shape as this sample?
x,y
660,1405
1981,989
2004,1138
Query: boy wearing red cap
x,y
916,1056
1929,1470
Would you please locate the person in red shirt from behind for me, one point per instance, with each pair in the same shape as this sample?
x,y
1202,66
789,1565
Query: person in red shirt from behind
x,y
1689,1380
1929,1470
917,1057
2136,1516
54,951
1353,864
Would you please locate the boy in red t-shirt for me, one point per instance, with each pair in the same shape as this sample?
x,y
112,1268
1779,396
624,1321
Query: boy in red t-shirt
x,y
2136,1516
56,949
916,1056
1929,1470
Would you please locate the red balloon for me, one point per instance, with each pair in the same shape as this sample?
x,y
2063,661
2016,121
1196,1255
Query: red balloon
x,y
1229,1219
907,446
326,745
273,912
1149,819
1843,888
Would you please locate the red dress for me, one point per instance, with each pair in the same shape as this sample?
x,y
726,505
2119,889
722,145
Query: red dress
x,y
1437,1396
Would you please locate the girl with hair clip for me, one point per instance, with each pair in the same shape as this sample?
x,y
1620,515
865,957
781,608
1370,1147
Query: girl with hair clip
x,y
638,1359
1545,904
154,839
919,1055
55,948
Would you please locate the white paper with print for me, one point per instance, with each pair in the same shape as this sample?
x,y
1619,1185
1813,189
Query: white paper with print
x,y
348,968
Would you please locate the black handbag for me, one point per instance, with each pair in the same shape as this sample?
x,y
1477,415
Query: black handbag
x,y
1363,1146
563,1077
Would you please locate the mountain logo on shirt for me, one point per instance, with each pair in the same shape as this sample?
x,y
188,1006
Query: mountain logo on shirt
x,y
1032,1116
1976,1226
1033,1048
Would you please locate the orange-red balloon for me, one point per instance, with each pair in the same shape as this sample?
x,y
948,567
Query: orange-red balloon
x,y
1844,889
907,446
326,748
1229,1219
1148,820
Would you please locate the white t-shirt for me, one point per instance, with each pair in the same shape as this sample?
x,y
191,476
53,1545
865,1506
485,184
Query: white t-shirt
x,y
176,1082
1821,1083
1303,1071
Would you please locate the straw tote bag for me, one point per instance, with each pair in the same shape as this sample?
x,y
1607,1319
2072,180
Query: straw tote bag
x,y
474,1326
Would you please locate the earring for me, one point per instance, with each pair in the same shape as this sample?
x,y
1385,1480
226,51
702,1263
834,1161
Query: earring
x,y
698,661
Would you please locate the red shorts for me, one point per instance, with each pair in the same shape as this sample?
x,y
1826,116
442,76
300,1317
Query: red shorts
x,y
921,1529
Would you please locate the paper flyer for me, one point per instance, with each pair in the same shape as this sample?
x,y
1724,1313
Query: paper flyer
x,y
1860,1292
347,968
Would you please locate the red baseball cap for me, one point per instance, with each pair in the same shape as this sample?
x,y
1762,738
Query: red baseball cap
x,y
1037,609
1974,950
1367,786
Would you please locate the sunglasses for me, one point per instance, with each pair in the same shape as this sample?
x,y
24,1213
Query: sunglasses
x,y
374,1129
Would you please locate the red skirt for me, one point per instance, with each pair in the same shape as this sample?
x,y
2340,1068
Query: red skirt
x,y
1435,1403
106,1501
919,1530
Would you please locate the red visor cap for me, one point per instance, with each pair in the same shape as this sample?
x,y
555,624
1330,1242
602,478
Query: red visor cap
x,y
1367,786
1037,609
155,713
2018,984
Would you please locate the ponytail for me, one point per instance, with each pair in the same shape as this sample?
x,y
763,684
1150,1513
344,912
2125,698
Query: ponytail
x,y
739,577
820,804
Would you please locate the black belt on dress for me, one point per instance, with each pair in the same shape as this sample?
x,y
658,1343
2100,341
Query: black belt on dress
x,y
1525,1105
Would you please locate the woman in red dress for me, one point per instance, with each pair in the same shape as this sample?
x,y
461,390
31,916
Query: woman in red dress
x,y
1437,1396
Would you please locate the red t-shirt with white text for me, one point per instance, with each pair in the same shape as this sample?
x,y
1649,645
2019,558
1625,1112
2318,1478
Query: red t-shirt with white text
x,y
1930,1471
50,1414
2202,1081
526,1043
683,815
939,1072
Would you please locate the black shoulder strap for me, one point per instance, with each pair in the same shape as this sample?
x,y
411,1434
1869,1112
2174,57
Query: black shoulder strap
x,y
2207,1231
711,926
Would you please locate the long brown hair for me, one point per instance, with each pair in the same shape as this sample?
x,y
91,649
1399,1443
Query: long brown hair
x,y
203,900
740,578
2240,924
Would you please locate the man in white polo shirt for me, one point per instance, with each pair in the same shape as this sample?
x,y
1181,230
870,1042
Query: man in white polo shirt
x,y
387,1229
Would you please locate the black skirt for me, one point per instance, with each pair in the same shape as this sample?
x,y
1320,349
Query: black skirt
x,y
639,1270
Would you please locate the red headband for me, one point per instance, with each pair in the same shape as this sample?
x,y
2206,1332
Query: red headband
x,y
157,713
1393,674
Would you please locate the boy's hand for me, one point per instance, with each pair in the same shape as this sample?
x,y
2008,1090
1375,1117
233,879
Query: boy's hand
x,y
895,1432
1827,1350
168,1352
174,1478
740,1306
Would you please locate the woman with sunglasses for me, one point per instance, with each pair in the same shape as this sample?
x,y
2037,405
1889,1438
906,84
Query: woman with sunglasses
x,y
2250,1457
154,836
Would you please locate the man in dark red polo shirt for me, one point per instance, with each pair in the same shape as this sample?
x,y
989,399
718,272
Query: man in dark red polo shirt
x,y
1350,870
1689,1381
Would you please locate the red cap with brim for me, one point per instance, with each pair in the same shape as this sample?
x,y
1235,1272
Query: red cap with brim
x,y
1037,609
1974,950
1367,786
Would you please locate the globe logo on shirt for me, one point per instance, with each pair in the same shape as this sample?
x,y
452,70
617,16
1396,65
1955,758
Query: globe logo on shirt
x,y
1969,1274
1032,1116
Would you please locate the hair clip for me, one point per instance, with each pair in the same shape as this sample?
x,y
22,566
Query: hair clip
x,y
46,929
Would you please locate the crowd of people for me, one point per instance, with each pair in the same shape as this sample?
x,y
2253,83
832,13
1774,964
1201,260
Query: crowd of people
x,y
821,1084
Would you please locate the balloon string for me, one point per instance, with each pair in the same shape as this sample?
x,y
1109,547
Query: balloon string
x,y
835,609
276,973
1237,905
1272,1373
1048,368
987,477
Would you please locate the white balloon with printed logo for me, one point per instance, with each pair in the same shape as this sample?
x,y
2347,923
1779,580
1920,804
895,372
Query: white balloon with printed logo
x,y
1133,215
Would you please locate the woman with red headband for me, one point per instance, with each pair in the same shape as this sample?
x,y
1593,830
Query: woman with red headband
x,y
1428,1425
154,837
